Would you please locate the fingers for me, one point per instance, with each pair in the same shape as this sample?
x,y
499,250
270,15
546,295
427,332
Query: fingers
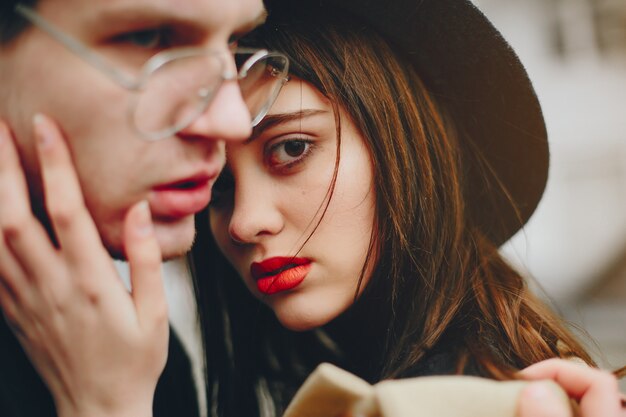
x,y
11,275
596,390
539,399
144,258
21,234
7,303
13,188
72,223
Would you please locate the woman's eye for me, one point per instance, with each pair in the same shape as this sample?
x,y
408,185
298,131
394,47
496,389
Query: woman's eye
x,y
146,39
288,152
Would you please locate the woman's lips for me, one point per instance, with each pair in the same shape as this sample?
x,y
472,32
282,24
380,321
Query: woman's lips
x,y
279,274
180,199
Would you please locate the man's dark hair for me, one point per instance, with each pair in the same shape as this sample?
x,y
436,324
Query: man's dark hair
x,y
11,24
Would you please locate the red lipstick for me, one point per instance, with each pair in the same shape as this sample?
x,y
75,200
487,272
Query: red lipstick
x,y
181,198
279,274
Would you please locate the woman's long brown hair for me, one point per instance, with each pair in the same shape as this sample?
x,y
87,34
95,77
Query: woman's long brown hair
x,y
436,276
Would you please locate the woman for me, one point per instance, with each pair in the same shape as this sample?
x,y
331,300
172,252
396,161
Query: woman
x,y
424,290
362,211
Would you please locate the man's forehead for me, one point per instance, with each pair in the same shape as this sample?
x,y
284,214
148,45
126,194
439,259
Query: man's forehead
x,y
206,13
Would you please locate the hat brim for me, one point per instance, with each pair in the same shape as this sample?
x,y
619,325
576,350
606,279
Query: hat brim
x,y
475,75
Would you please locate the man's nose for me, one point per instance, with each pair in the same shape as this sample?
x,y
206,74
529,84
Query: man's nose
x,y
226,118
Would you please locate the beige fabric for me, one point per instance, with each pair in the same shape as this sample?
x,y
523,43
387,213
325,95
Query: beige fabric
x,y
333,392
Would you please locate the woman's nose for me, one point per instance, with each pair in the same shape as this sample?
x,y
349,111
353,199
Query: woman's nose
x,y
255,212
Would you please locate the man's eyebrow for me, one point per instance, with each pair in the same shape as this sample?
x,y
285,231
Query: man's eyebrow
x,y
137,12
129,17
273,120
126,15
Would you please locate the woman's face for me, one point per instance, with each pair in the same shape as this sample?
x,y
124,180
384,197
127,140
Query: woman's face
x,y
274,191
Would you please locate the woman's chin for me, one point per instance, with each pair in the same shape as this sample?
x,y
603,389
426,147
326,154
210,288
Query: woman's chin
x,y
301,312
300,322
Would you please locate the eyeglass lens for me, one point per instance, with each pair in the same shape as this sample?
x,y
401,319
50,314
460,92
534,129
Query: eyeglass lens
x,y
262,84
180,90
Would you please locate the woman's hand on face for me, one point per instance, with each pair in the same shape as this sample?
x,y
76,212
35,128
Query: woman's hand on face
x,y
99,349
596,391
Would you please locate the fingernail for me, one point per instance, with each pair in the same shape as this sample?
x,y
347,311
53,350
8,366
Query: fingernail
x,y
143,224
42,131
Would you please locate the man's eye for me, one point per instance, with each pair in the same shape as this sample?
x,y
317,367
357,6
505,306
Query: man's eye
x,y
146,39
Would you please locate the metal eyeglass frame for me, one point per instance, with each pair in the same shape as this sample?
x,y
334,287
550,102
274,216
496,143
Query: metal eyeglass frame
x,y
136,84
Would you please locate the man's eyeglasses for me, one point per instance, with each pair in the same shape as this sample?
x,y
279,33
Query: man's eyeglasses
x,y
176,86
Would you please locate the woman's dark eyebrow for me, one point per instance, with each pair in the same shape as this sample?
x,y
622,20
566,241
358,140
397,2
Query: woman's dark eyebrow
x,y
272,120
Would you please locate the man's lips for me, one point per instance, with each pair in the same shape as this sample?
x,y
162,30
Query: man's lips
x,y
279,274
181,198
185,183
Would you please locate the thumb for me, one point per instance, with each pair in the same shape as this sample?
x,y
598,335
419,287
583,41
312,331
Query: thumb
x,y
540,399
144,259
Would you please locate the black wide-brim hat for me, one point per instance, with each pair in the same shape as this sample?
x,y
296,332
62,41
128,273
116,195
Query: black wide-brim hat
x,y
474,74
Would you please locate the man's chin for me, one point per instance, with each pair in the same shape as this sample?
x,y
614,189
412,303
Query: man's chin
x,y
175,240
169,255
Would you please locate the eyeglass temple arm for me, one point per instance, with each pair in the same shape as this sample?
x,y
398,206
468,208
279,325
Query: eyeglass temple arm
x,y
120,77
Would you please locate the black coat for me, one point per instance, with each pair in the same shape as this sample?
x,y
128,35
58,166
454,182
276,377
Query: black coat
x,y
23,393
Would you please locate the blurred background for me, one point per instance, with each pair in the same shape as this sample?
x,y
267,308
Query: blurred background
x,y
574,247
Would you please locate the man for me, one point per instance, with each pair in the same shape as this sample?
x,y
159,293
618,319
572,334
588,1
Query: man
x,y
146,137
